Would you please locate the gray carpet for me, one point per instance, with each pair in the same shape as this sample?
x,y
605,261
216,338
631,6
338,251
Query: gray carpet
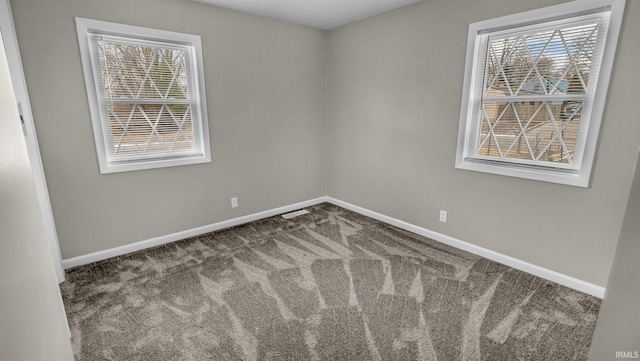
x,y
329,285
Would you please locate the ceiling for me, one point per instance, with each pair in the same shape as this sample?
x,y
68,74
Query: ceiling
x,y
322,14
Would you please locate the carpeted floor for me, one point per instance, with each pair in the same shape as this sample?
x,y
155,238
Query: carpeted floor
x,y
329,285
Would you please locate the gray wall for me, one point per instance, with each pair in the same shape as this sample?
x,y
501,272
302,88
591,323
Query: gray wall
x,y
32,322
394,84
265,83
394,92
618,327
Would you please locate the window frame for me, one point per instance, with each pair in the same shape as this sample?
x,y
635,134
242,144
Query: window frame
x,y
576,176
192,43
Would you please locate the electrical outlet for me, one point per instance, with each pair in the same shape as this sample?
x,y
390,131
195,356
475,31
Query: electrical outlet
x,y
443,216
234,202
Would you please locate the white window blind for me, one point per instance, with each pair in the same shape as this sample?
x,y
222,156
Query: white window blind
x,y
532,89
147,105
536,89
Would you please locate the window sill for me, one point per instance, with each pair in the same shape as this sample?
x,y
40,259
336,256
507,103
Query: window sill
x,y
117,167
576,179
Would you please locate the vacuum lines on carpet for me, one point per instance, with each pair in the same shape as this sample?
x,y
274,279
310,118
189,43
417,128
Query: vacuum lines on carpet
x,y
327,285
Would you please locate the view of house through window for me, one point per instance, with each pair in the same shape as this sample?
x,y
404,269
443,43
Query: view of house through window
x,y
534,91
535,87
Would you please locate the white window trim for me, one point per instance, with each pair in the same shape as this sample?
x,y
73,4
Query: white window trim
x,y
580,177
83,27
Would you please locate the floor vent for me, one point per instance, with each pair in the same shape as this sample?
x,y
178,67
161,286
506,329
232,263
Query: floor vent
x,y
295,214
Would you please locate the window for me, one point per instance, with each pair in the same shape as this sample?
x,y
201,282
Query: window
x,y
534,91
146,96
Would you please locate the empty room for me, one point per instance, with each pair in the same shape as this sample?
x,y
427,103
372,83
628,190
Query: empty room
x,y
319,180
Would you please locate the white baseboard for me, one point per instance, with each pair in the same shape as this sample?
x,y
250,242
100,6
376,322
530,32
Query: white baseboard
x,y
158,241
571,282
521,265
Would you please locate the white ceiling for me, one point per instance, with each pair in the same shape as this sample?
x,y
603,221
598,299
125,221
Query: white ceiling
x,y
323,14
